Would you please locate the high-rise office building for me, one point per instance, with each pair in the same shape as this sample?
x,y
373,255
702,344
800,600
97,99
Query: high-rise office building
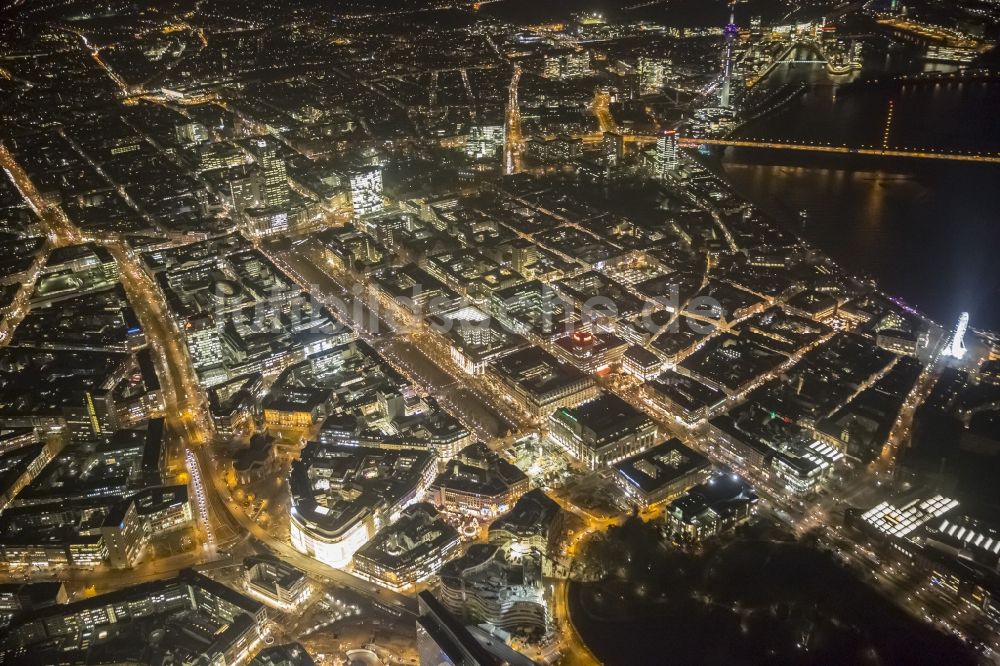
x,y
666,153
204,343
385,229
191,132
575,65
485,140
552,67
366,191
613,146
274,187
731,32
651,72
567,66
242,188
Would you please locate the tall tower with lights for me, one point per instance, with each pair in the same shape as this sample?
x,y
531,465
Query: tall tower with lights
x,y
666,160
275,190
956,344
731,33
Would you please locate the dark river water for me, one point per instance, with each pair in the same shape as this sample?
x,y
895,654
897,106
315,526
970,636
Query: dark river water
x,y
928,231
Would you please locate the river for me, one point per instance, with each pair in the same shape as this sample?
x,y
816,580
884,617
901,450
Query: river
x,y
928,231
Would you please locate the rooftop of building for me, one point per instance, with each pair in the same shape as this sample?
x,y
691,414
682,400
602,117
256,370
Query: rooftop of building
x,y
290,654
534,511
334,486
477,470
257,452
537,372
603,416
418,532
269,571
661,465
187,613
721,494
686,392
484,568
296,399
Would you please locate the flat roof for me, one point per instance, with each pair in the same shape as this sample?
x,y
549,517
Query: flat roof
x,y
661,465
605,414
537,371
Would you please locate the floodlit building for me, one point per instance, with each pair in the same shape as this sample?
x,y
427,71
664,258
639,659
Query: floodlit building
x,y
296,407
529,527
255,461
901,521
474,341
590,352
74,270
731,33
803,467
642,363
713,507
343,495
959,550
234,404
540,382
19,467
689,400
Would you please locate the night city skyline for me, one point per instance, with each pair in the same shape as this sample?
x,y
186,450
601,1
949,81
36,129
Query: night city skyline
x,y
496,332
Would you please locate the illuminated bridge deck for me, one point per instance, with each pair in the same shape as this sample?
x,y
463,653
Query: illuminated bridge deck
x,y
845,150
